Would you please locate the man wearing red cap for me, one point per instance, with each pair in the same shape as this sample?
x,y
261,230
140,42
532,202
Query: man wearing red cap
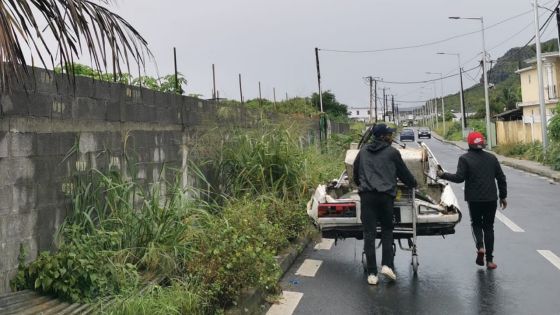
x,y
480,171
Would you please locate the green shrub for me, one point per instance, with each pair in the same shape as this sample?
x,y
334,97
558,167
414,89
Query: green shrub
x,y
232,257
80,271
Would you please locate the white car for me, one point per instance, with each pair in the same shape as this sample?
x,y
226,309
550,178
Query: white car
x,y
430,209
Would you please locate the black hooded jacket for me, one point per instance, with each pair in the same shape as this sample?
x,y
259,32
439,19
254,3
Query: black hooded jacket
x,y
480,171
377,167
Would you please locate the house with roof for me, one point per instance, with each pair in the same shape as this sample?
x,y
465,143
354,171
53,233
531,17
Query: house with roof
x,y
530,90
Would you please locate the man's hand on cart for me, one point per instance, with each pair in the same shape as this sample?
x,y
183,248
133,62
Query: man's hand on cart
x,y
439,171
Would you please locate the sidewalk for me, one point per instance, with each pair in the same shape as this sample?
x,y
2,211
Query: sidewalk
x,y
524,165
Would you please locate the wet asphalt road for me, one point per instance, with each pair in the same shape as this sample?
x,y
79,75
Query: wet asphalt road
x,y
448,281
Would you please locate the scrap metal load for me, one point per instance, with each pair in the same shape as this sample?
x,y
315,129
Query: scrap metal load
x,y
335,206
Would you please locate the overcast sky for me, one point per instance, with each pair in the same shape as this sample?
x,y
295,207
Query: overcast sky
x,y
273,41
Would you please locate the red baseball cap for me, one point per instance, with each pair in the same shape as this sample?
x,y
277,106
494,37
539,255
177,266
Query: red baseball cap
x,y
476,140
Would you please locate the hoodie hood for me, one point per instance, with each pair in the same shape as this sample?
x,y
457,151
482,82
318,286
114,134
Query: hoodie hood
x,y
376,146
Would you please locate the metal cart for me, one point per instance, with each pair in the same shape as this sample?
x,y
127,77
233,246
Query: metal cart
x,y
405,218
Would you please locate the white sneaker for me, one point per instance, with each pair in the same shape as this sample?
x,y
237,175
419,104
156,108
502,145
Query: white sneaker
x,y
372,279
388,272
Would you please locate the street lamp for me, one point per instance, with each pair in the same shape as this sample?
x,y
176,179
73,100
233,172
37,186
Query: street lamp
x,y
442,101
486,98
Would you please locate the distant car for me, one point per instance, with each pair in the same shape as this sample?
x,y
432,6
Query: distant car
x,y
405,124
407,134
424,133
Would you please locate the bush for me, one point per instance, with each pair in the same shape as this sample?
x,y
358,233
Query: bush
x,y
230,258
80,271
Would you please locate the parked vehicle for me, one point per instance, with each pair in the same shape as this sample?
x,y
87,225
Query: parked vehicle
x,y
407,134
430,209
424,133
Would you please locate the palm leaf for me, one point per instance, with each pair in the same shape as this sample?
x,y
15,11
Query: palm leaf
x,y
76,27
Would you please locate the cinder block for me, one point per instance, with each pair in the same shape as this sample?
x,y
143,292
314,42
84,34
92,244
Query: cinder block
x,y
84,87
61,107
24,197
47,144
48,216
6,197
102,90
4,140
67,142
16,103
162,99
39,105
85,108
113,112
22,144
88,142
21,226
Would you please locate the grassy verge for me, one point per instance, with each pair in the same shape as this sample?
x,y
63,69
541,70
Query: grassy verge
x,y
206,248
533,152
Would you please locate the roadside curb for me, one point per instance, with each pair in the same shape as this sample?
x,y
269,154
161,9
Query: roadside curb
x,y
539,169
252,301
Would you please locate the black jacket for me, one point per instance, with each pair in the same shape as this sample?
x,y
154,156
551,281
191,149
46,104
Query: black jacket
x,y
479,170
377,167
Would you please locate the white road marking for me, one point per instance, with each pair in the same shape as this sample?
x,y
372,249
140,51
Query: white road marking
x,y
505,220
287,304
550,256
309,268
326,244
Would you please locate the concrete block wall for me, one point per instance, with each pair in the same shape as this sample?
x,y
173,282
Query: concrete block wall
x,y
98,121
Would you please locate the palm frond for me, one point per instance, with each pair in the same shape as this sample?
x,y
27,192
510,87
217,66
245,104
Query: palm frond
x,y
76,27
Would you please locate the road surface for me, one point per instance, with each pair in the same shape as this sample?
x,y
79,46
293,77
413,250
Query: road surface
x,y
329,279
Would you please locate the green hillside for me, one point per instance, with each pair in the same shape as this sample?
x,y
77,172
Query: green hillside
x,y
507,87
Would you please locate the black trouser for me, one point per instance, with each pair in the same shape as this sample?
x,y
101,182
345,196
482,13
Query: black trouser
x,y
375,207
482,222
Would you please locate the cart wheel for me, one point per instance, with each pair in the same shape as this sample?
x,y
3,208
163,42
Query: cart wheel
x,y
415,263
394,250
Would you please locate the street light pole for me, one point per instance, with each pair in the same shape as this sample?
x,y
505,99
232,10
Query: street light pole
x,y
486,97
485,75
542,106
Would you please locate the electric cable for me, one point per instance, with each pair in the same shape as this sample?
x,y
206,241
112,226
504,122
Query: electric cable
x,y
425,44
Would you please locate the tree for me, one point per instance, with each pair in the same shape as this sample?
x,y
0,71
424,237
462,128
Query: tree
x,y
75,26
330,105
508,98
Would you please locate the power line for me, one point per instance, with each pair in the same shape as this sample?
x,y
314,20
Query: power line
x,y
427,81
424,44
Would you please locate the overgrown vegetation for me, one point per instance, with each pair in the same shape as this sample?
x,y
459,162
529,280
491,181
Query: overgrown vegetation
x,y
203,249
534,151
165,83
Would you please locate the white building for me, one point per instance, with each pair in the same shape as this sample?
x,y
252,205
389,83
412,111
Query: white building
x,y
361,113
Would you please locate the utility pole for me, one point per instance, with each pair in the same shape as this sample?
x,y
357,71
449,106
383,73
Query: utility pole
x,y
557,10
260,95
370,99
393,107
375,98
462,99
240,90
544,120
176,75
486,97
319,78
384,103
286,96
442,103
274,95
213,82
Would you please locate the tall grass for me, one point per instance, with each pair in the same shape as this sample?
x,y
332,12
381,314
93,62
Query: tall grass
x,y
220,239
